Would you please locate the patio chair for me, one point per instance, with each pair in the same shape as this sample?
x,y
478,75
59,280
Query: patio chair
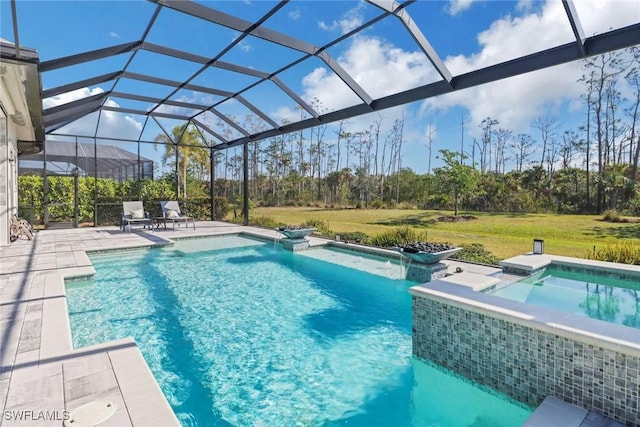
x,y
133,213
171,212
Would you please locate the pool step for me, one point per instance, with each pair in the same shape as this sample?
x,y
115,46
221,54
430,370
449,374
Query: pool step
x,y
556,412
477,282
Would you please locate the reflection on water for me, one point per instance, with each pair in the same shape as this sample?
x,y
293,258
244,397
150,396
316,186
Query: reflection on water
x,y
600,302
603,298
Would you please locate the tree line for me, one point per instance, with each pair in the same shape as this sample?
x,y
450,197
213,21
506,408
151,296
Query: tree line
x,y
587,169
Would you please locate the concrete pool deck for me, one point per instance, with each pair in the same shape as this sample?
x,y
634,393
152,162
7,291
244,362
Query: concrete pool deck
x,y
42,378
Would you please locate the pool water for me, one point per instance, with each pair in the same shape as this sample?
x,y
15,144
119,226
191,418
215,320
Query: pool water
x,y
243,333
598,297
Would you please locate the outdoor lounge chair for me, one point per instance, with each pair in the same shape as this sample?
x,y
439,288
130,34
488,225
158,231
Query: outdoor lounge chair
x,y
133,213
171,212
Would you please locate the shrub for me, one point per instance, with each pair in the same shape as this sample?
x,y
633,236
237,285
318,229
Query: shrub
x,y
322,226
199,208
406,206
377,204
476,252
222,208
263,221
398,236
634,205
612,216
354,236
625,252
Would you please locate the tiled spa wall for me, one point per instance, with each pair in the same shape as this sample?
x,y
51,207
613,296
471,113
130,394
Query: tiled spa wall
x,y
524,363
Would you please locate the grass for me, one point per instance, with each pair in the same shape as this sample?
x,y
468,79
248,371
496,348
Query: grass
x,y
503,234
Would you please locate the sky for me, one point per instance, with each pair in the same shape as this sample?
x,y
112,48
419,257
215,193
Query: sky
x,y
383,59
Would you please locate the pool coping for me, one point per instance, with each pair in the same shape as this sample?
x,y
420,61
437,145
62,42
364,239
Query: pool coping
x,y
589,331
113,370
529,263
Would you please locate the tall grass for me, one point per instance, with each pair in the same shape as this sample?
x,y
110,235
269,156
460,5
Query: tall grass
x,y
398,236
612,216
259,221
625,252
321,225
476,252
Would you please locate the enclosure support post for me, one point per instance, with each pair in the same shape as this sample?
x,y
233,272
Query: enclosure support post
x,y
177,174
245,184
45,189
212,186
75,190
76,208
138,172
95,171
95,182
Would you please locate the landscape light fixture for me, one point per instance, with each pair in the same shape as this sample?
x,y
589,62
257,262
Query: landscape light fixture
x,y
538,246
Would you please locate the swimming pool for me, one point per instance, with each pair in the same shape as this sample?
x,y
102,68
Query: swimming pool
x,y
586,294
242,333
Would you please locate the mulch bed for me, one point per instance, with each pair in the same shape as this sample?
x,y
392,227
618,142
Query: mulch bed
x,y
459,218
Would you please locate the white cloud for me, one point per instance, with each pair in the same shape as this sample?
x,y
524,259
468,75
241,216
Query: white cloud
x,y
524,5
382,68
378,67
295,14
600,16
457,6
244,46
350,20
285,115
118,125
114,35
171,109
328,89
112,124
70,97
516,101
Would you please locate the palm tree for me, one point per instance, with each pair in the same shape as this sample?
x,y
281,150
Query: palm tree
x,y
191,150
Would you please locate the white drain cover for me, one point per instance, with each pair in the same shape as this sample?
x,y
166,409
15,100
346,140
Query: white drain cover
x,y
91,414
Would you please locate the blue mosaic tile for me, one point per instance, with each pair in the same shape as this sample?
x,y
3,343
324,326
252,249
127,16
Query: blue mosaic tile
x,y
525,363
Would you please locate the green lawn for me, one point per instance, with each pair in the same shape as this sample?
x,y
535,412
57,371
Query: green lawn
x,y
504,234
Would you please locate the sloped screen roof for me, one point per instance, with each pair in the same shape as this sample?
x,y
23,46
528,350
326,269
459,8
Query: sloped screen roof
x,y
105,161
213,62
